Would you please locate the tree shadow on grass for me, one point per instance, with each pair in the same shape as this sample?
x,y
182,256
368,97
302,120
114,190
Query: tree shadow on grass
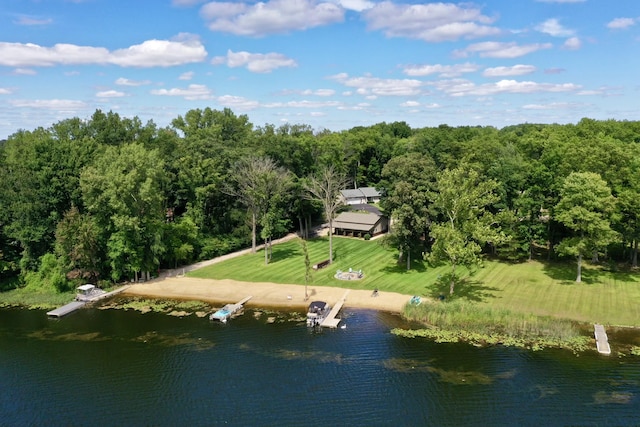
x,y
465,288
418,265
565,273
282,254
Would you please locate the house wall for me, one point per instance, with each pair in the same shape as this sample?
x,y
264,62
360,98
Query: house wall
x,y
358,201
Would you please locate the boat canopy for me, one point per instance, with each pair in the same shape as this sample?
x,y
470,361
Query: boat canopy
x,y
86,288
317,306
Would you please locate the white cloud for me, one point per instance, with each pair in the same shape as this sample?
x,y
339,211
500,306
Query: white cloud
x,y
410,104
442,70
5,91
32,21
192,92
255,62
516,70
318,92
462,87
621,23
572,43
357,5
159,53
58,105
554,28
551,106
433,22
270,17
24,72
368,85
151,53
127,82
310,104
500,49
186,76
110,94
237,102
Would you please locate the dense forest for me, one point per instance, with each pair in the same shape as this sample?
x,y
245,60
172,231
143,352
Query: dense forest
x,y
111,198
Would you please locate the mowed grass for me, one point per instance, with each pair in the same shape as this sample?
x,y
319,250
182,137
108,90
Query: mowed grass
x,y
529,287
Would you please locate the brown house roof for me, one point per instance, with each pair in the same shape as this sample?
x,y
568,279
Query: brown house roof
x,y
359,221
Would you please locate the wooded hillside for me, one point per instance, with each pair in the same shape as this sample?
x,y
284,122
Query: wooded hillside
x,y
111,198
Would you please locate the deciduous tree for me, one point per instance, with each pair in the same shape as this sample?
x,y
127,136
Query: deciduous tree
x,y
465,223
325,187
585,207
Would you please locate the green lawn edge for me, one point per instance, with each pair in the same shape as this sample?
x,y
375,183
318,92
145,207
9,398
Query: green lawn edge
x,y
539,288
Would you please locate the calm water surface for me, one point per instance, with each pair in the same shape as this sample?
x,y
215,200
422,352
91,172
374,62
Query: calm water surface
x,y
115,367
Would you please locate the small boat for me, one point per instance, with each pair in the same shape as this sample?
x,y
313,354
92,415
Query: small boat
x,y
318,311
224,313
229,310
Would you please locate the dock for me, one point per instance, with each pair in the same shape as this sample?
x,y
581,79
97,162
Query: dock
x,y
331,321
81,300
229,310
602,341
66,309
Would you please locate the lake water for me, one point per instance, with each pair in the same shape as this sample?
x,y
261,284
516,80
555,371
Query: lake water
x,y
116,367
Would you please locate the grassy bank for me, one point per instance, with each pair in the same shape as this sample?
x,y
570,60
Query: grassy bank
x,y
611,298
34,299
464,321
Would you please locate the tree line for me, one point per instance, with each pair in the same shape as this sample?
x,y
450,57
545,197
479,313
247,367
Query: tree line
x,y
111,198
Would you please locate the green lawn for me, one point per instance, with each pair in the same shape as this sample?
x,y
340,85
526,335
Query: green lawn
x,y
530,287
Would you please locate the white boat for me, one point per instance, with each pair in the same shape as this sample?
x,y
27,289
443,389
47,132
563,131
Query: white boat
x,y
317,312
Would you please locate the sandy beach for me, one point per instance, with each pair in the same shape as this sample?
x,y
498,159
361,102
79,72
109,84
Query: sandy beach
x,y
263,294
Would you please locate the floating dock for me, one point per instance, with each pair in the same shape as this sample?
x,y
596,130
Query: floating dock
x,y
66,309
82,299
331,321
229,310
602,341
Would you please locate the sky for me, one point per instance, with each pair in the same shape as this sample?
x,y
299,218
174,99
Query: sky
x,y
329,64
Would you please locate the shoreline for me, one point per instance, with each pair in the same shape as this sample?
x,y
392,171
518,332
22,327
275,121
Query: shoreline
x,y
263,294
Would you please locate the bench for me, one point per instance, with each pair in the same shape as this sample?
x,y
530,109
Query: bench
x,y
321,264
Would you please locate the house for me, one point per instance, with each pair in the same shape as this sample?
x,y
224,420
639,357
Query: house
x,y
360,196
358,224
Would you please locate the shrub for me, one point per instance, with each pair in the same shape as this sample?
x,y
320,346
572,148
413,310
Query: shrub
x,y
49,275
367,236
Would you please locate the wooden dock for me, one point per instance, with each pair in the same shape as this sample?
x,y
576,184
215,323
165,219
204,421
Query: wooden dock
x,y
75,305
66,309
331,321
602,341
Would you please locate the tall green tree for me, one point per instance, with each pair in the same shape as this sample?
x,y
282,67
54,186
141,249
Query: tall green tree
x,y
123,191
78,245
40,175
256,181
408,186
465,222
585,207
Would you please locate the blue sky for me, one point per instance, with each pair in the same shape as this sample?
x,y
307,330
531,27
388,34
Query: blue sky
x,y
331,64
